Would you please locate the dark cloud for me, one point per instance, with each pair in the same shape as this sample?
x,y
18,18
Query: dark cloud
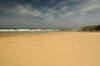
x,y
41,5
38,4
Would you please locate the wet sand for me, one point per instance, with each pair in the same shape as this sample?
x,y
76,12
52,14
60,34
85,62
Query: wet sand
x,y
49,49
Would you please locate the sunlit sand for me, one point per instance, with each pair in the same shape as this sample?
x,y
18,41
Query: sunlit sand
x,y
49,49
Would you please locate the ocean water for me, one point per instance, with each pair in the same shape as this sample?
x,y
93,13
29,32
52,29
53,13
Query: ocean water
x,y
29,29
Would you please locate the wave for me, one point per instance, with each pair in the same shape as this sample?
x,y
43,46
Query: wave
x,y
29,29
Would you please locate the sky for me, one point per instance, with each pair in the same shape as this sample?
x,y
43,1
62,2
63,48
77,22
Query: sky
x,y
49,13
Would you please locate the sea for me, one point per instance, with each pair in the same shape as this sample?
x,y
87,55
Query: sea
x,y
29,29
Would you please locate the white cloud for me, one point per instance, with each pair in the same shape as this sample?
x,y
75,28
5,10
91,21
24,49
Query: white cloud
x,y
90,8
64,8
36,13
64,15
23,10
91,5
27,10
19,9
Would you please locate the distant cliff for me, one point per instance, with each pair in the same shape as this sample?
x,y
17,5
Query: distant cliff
x,y
90,28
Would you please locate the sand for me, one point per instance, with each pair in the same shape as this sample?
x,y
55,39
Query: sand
x,y
49,49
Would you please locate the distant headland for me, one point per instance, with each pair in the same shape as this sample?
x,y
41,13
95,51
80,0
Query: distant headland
x,y
91,28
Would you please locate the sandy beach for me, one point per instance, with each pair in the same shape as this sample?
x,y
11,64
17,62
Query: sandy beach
x,y
49,49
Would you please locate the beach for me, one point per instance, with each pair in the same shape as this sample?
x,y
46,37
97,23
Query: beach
x,y
49,49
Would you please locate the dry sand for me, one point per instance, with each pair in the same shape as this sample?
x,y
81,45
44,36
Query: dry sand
x,y
49,49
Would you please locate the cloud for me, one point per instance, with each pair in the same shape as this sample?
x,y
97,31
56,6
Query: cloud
x,y
18,9
91,5
46,13
27,10
90,8
64,8
23,10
